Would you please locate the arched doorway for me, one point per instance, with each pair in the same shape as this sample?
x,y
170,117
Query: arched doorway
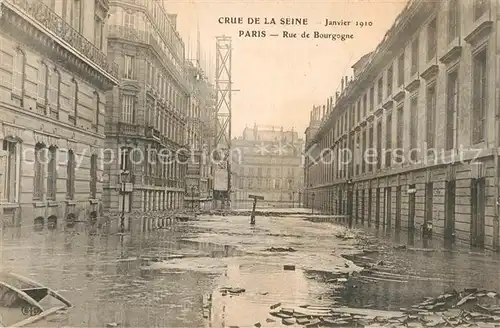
x,y
70,220
93,218
39,223
52,222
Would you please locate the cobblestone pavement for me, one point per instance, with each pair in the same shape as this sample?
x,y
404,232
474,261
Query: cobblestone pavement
x,y
107,281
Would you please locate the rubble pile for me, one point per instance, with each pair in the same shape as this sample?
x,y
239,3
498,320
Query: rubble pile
x,y
468,308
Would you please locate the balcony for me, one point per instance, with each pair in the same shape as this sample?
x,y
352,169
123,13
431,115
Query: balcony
x,y
151,132
127,128
65,34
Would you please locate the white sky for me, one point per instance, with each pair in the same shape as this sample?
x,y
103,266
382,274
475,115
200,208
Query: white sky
x,y
281,79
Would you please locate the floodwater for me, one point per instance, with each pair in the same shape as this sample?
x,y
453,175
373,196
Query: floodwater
x,y
103,276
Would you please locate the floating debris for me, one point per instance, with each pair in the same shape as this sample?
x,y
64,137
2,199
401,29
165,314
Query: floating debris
x,y
281,249
454,309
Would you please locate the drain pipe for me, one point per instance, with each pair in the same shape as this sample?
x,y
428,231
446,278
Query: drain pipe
x,y
496,74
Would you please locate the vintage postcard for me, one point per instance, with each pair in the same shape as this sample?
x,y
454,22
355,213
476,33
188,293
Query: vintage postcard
x,y
249,163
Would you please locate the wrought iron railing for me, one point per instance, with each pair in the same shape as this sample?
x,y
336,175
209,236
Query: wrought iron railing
x,y
56,24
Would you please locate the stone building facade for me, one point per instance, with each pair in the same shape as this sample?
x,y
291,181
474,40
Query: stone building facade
x,y
146,115
200,136
429,85
54,73
267,161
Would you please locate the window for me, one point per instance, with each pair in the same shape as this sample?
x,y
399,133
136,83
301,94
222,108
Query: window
x,y
40,151
413,126
93,176
125,160
453,19
400,131
52,173
380,93
77,15
479,97
451,109
370,146
478,204
363,151
379,144
97,106
414,56
19,77
388,140
431,39
401,69
12,165
73,118
98,32
431,116
429,190
389,81
128,108
55,91
129,20
70,173
480,7
372,98
43,85
358,111
129,71
364,104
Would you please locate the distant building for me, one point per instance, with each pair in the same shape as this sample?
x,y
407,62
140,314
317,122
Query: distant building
x,y
267,161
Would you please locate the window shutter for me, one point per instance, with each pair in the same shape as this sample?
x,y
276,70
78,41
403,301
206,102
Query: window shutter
x,y
17,73
42,80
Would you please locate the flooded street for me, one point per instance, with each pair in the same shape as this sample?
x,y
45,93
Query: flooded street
x,y
104,278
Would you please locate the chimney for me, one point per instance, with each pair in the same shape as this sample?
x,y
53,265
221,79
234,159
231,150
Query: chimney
x,y
331,103
328,105
342,85
311,115
346,81
337,96
324,109
173,20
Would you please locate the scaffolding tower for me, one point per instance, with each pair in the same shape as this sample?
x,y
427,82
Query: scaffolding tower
x,y
223,87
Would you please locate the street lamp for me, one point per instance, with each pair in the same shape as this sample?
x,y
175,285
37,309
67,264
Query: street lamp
x,y
293,199
349,200
300,199
192,197
312,203
124,180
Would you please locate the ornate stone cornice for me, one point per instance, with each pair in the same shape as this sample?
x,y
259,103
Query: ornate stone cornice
x,y
399,95
388,104
481,31
430,72
452,55
413,85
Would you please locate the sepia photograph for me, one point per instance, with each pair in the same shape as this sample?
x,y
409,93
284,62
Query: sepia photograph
x,y
249,163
